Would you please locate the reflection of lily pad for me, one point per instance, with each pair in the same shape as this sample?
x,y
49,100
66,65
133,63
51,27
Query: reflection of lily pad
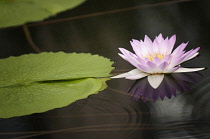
x,y
17,12
39,82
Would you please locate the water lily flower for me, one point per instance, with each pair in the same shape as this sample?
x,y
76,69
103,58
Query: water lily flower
x,y
156,58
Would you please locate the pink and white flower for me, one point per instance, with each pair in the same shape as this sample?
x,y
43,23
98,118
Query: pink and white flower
x,y
154,59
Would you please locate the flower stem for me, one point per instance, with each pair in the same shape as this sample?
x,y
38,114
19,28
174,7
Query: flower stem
x,y
29,39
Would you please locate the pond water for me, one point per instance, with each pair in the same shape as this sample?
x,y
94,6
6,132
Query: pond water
x,y
98,27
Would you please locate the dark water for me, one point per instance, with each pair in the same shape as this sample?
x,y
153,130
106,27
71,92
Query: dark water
x,y
111,114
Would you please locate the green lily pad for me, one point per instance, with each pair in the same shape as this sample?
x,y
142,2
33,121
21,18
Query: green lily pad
x,y
41,97
17,12
48,66
36,83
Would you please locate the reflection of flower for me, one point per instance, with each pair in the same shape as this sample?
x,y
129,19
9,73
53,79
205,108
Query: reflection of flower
x,y
154,59
170,85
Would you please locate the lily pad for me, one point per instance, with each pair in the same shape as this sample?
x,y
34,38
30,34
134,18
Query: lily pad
x,y
17,12
44,96
36,83
48,66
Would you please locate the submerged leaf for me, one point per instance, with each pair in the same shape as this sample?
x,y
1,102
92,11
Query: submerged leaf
x,y
17,12
39,82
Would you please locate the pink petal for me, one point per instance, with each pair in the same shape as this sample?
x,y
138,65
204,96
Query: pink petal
x,y
162,67
187,53
136,47
175,61
136,41
171,43
157,61
143,50
191,54
167,58
130,57
142,61
147,41
127,53
180,48
159,38
156,46
124,57
144,68
172,69
151,65
164,46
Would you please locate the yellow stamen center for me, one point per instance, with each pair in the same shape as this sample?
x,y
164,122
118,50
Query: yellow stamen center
x,y
151,57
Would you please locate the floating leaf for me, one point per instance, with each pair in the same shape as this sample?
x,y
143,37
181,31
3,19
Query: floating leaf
x,y
48,66
17,12
40,97
39,82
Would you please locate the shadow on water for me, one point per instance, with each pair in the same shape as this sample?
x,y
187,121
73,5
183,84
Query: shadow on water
x,y
171,84
108,114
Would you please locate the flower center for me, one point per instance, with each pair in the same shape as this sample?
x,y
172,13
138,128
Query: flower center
x,y
160,56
